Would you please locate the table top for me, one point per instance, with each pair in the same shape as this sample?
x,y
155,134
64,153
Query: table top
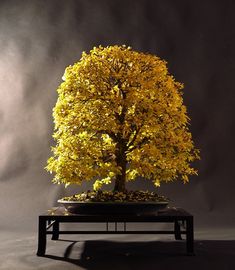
x,y
61,212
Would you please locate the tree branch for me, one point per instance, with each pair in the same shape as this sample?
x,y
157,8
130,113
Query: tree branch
x,y
138,145
134,137
108,132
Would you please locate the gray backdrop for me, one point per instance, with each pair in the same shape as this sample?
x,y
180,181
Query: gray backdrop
x,y
39,38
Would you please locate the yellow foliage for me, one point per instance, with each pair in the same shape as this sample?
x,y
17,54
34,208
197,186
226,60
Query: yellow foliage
x,y
116,102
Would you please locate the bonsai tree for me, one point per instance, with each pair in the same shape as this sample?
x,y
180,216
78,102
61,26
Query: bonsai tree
x,y
119,116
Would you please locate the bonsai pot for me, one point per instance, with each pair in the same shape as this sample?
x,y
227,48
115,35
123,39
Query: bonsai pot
x,y
76,207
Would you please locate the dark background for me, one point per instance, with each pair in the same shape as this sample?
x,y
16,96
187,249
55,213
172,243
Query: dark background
x,y
39,38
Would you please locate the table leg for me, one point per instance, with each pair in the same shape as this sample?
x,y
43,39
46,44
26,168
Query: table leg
x,y
42,237
177,230
189,236
55,229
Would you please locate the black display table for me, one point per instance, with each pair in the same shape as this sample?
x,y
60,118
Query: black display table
x,y
182,220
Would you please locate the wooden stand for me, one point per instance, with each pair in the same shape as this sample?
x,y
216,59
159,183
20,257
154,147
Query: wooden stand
x,y
182,220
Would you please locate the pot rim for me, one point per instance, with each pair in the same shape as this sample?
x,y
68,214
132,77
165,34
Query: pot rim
x,y
110,202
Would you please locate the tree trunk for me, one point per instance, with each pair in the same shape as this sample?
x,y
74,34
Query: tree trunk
x,y
121,147
120,182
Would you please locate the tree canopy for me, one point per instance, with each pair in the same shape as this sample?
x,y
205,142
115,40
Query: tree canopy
x,y
119,116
